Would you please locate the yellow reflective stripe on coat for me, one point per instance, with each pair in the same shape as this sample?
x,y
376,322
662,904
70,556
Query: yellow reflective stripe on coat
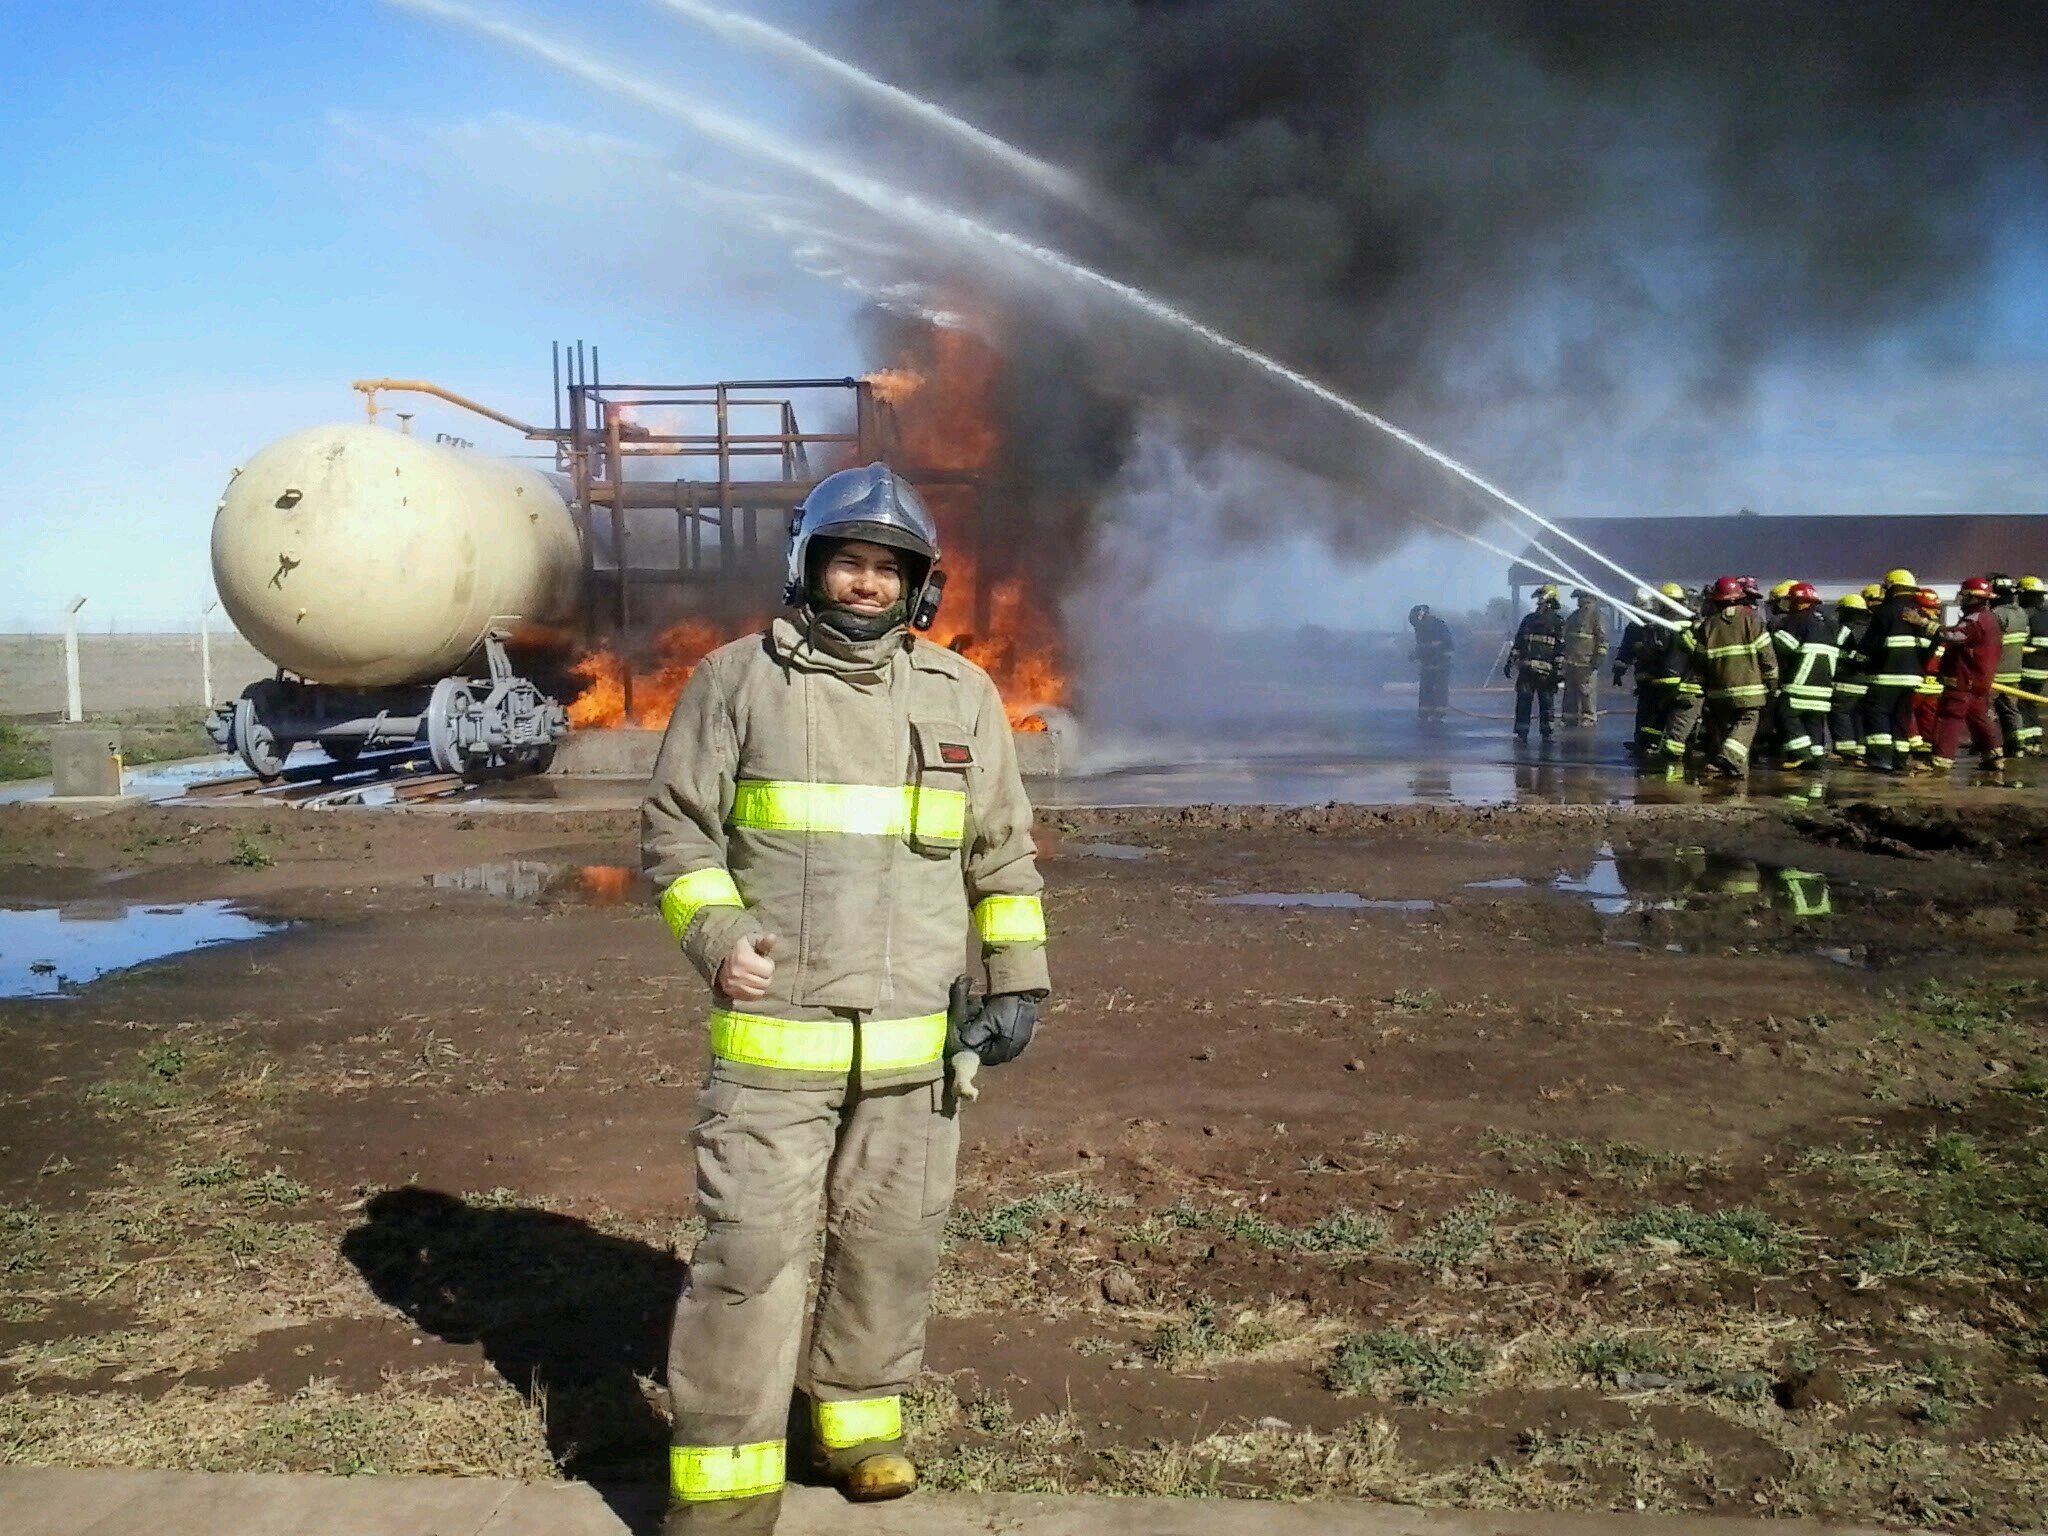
x,y
843,1425
826,1045
1010,920
687,895
857,810
698,1474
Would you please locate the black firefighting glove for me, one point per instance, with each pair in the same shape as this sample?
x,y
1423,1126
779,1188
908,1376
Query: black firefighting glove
x,y
1507,669
999,1029
1618,671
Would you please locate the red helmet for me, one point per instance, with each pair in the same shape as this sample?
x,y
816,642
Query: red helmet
x,y
1728,589
1750,587
1802,592
1976,586
1929,599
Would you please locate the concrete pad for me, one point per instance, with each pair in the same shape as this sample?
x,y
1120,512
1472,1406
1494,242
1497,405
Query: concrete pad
x,y
49,1501
88,805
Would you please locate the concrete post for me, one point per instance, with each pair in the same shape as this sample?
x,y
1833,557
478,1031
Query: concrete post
x,y
206,656
74,707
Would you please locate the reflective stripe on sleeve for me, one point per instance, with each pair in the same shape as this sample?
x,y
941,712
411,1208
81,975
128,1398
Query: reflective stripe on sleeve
x,y
687,895
700,1474
843,1425
856,810
826,1045
1010,920
1741,693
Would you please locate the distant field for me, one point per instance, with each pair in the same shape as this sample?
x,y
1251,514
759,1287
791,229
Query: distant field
x,y
122,674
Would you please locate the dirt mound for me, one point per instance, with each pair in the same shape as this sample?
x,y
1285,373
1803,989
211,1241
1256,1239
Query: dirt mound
x,y
1921,829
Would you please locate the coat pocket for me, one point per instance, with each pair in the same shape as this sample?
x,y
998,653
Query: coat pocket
x,y
944,753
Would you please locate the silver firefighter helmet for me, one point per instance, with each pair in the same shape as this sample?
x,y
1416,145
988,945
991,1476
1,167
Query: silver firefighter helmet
x,y
870,503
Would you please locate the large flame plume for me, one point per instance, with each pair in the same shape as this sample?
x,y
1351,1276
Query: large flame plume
x,y
944,399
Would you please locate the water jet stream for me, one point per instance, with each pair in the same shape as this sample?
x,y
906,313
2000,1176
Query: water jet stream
x,y
1046,178
896,204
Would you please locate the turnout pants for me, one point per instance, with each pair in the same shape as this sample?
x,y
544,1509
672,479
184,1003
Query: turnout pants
x,y
1434,695
1961,710
2012,715
1688,707
1887,724
1731,727
2028,738
882,1161
1802,730
1534,693
1653,705
1581,688
1845,725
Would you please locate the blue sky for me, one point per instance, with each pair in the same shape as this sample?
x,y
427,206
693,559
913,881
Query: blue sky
x,y
217,214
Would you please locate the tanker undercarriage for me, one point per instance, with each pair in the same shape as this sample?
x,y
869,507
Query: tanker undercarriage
x,y
474,726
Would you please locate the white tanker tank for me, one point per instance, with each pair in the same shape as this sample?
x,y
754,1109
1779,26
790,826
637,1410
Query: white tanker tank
x,y
384,573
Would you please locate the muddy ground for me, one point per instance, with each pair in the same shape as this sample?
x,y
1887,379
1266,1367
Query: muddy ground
x,y
1613,1159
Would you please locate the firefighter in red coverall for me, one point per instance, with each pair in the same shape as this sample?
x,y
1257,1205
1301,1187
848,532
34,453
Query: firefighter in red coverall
x,y
1969,667
1919,747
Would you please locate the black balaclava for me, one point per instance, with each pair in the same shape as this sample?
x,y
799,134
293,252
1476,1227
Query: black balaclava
x,y
844,621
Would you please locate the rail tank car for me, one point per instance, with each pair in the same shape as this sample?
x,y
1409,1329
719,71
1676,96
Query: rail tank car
x,y
383,575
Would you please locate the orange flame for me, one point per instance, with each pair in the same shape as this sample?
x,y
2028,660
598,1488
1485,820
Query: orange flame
x,y
606,885
944,398
677,650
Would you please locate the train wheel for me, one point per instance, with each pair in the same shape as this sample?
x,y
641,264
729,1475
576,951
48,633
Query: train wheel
x,y
260,750
447,708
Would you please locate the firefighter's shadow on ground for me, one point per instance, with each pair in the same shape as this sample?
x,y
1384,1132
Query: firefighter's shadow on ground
x,y
569,1316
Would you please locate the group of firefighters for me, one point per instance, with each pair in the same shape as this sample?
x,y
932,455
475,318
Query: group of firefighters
x,y
1878,678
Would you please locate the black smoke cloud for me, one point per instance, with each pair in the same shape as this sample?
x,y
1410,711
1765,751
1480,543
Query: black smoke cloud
x,y
1509,224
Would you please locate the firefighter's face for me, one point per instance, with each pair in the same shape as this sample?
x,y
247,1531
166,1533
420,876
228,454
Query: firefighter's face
x,y
865,578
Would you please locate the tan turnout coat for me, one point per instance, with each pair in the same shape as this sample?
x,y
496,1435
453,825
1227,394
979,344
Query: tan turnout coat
x,y
871,924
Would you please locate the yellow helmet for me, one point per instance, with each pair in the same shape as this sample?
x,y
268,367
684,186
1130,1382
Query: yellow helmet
x,y
1782,589
1874,593
2033,584
1674,591
1894,580
1547,593
1854,603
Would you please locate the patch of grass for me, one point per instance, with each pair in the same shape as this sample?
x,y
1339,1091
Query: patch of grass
x,y
418,1424
1408,1000
1013,1221
1609,1357
1973,1009
1741,1239
1341,1232
275,1188
215,1175
1412,1367
25,1237
1460,1237
1620,1162
24,754
249,854
1203,1336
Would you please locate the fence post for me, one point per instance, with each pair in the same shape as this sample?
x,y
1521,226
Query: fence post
x,y
206,656
74,708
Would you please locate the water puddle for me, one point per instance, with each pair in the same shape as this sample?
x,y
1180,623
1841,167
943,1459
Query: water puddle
x,y
52,951
1349,901
1127,851
1616,884
539,880
1505,883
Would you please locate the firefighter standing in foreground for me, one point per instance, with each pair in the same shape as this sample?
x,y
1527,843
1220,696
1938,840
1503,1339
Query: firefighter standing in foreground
x,y
1533,662
835,802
